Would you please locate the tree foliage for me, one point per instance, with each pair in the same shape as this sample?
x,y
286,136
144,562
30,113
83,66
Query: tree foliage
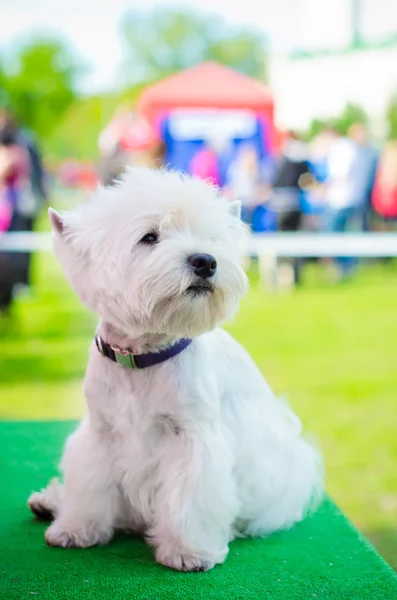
x,y
391,118
315,127
352,113
40,84
160,42
76,135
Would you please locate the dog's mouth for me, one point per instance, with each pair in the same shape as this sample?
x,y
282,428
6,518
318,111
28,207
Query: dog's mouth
x,y
200,288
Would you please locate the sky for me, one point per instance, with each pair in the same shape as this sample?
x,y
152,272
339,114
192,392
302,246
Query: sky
x,y
92,26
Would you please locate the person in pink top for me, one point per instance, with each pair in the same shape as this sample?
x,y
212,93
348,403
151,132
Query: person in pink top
x,y
14,169
204,165
14,188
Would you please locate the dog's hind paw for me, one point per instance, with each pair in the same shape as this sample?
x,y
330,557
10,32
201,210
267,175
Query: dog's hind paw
x,y
40,507
46,503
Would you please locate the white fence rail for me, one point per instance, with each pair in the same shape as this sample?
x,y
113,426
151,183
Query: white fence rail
x,y
24,241
363,245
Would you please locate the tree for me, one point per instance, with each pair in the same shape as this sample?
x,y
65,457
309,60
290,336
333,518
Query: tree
x,y
351,114
91,115
161,42
315,128
391,118
41,85
88,115
3,91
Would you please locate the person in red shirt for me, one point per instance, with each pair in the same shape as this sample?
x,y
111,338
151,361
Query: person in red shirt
x,y
384,195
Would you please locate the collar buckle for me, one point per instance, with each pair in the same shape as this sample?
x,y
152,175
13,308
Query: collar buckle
x,y
124,359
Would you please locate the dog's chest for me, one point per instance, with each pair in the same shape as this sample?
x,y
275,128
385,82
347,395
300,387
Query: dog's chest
x,y
137,411
141,424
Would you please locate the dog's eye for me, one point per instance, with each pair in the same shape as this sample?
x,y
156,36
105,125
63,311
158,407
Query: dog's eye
x,y
150,238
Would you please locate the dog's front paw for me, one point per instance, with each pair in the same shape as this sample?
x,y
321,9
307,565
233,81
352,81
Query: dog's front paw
x,y
54,536
65,537
189,561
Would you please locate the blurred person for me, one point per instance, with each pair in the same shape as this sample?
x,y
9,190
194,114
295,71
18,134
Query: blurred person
x,y
121,122
37,172
6,208
211,161
68,173
313,205
243,181
14,178
292,175
363,171
156,154
112,165
319,148
113,157
350,175
88,178
384,196
204,165
27,184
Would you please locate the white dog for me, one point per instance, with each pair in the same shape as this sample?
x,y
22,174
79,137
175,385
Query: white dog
x,y
183,442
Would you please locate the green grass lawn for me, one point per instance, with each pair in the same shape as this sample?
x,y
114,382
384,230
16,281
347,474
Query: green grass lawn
x,y
330,349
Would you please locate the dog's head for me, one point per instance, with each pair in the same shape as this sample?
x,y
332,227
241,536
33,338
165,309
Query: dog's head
x,y
156,253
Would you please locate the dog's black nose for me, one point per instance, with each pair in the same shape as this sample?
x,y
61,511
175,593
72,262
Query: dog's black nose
x,y
204,265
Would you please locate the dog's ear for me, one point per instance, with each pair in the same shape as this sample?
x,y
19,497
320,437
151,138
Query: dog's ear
x,y
66,227
71,247
56,221
235,208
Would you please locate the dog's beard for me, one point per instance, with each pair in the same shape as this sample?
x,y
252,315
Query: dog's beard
x,y
200,288
197,305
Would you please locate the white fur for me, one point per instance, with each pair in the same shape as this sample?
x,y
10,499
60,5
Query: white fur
x,y
197,450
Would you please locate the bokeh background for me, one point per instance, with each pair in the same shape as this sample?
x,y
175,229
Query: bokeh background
x,y
71,79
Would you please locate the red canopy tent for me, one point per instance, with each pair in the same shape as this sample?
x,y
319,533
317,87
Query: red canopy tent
x,y
208,85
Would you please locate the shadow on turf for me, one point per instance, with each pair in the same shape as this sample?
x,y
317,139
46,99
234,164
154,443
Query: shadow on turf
x,y
385,541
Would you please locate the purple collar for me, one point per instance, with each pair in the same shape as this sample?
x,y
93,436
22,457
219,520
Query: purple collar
x,y
125,358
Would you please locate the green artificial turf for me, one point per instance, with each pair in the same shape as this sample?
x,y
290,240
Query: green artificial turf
x,y
322,558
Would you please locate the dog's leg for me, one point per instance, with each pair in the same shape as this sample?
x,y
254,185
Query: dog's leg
x,y
89,500
196,501
296,473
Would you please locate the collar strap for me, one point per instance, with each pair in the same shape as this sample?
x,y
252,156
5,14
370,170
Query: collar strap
x,y
125,358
